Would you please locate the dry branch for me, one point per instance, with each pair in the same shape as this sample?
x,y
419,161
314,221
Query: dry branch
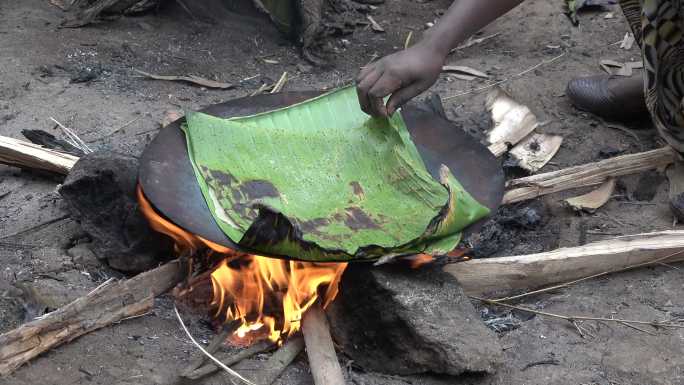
x,y
325,368
590,174
111,302
19,153
281,359
506,274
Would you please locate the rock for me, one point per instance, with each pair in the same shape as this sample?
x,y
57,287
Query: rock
x,y
44,295
83,257
400,321
100,193
648,185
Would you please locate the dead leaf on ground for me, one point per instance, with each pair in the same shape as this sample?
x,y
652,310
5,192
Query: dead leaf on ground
x,y
593,200
464,73
513,121
170,116
627,41
374,24
613,67
535,151
200,81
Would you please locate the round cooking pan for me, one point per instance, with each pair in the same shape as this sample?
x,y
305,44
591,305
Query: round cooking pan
x,y
169,183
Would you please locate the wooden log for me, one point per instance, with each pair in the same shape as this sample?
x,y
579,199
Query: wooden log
x,y
111,302
508,274
19,153
325,368
280,360
586,175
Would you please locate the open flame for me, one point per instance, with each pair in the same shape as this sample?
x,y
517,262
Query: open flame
x,y
266,297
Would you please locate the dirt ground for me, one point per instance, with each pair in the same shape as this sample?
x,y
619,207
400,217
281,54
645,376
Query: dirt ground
x,y
39,60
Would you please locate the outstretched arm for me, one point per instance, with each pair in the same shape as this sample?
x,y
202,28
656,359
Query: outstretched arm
x,y
407,73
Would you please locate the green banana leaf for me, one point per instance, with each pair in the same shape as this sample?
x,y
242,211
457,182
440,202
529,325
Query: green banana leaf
x,y
322,181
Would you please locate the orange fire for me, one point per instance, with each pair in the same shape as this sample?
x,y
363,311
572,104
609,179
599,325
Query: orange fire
x,y
266,296
420,260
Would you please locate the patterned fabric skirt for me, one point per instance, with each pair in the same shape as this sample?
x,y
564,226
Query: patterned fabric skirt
x,y
658,26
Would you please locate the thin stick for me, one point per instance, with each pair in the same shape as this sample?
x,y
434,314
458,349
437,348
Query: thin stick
x,y
637,328
525,72
280,84
232,359
122,127
407,42
36,227
213,346
76,139
216,361
577,318
566,284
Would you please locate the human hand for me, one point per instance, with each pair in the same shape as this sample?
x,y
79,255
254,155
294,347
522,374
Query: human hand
x,y
403,75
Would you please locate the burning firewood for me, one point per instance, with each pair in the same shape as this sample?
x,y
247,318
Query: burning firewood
x,y
109,303
319,348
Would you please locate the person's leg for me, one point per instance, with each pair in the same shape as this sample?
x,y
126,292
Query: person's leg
x,y
659,28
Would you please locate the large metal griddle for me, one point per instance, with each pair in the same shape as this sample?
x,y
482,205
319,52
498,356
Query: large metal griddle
x,y
169,183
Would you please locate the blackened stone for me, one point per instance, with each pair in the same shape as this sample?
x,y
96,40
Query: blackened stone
x,y
647,186
100,192
401,321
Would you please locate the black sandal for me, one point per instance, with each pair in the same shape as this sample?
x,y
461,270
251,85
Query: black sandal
x,y
610,97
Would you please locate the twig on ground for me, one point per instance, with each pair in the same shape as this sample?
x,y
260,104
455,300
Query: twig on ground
x,y
74,139
572,318
280,83
637,328
211,357
537,363
261,89
122,127
518,75
213,346
471,42
570,283
230,359
407,42
36,227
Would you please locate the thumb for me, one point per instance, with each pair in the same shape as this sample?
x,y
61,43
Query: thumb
x,y
400,97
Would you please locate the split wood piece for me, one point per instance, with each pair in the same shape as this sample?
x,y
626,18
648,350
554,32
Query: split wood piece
x,y
586,175
325,368
111,302
232,359
506,274
19,153
281,359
